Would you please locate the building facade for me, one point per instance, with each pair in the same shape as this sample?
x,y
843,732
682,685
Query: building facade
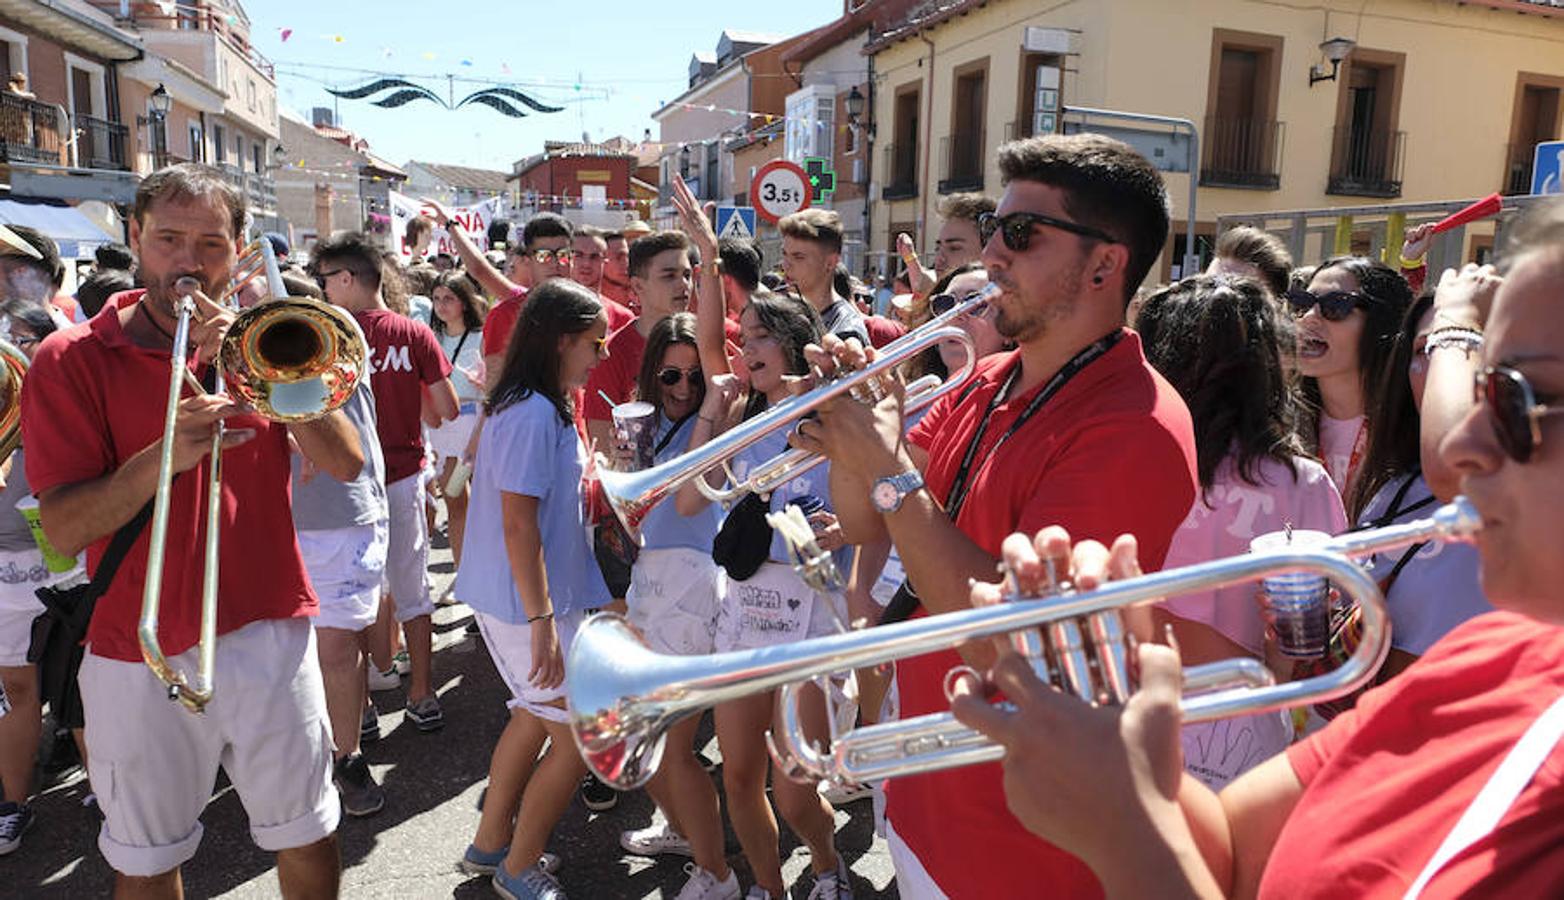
x,y
590,184
1432,100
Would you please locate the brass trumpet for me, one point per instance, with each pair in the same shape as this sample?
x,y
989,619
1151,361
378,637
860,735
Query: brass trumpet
x,y
14,362
623,697
291,359
633,494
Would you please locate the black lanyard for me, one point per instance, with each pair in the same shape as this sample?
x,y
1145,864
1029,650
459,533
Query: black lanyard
x,y
962,483
668,437
458,354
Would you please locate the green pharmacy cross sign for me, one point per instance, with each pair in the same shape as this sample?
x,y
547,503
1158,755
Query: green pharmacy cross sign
x,y
821,179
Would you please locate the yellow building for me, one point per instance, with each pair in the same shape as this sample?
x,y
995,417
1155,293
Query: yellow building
x,y
1434,99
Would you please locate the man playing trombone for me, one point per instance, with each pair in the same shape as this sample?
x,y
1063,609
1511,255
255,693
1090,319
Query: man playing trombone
x,y
93,418
1029,441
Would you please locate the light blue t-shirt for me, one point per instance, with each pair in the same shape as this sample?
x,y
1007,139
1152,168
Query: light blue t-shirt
x,y
1438,589
816,481
663,527
526,449
324,502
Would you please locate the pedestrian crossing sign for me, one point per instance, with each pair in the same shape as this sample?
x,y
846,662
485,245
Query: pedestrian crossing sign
x,y
736,222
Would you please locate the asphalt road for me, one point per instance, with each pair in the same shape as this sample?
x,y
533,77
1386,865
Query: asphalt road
x,y
432,784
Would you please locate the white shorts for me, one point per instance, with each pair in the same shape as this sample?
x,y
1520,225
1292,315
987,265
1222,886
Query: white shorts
x,y
346,567
22,573
673,600
510,646
827,612
407,558
154,762
451,438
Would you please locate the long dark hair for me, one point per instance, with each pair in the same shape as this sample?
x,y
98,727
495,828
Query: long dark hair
x,y
794,324
554,309
929,362
473,308
1218,341
1388,295
1394,446
678,328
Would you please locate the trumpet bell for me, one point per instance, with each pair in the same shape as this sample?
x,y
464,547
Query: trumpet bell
x,y
293,359
15,368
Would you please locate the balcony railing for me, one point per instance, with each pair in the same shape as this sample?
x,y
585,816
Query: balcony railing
x,y
1517,173
901,166
1366,162
30,131
1242,153
100,144
962,155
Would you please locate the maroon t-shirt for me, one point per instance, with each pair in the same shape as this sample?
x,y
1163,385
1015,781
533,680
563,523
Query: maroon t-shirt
x,y
404,356
91,400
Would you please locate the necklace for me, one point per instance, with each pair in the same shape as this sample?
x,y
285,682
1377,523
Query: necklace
x,y
142,309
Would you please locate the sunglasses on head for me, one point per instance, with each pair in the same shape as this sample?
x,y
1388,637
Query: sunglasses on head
x,y
940,304
545,256
671,375
1016,228
1513,407
1334,305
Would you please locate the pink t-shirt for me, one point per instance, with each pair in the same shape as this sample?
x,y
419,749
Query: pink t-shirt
x,y
1339,449
1234,512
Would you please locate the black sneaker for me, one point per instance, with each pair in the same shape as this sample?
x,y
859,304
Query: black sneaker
x,y
15,819
369,726
598,796
361,794
426,715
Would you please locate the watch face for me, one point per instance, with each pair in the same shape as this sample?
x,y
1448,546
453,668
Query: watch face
x,y
884,495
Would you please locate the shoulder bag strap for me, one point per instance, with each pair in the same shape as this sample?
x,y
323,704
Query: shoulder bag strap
x,y
123,540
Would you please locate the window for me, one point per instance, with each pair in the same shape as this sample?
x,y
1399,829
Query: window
x,y
258,158
713,170
220,146
963,148
1367,148
1241,146
1038,111
197,148
811,115
13,53
250,94
1536,119
85,94
901,157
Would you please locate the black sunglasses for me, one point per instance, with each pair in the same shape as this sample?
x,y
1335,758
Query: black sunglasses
x,y
671,375
320,277
1334,306
1517,416
940,304
1016,228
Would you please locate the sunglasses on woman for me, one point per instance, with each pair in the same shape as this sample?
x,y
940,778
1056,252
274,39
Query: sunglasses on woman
x,y
671,375
940,304
1512,404
1016,228
1334,305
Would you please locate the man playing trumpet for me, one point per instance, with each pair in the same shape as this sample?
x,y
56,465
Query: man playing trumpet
x,y
93,418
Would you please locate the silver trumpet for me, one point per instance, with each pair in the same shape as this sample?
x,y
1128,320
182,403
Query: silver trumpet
x,y
633,494
623,697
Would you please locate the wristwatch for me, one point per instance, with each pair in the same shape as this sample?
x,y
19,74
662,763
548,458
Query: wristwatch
x,y
887,493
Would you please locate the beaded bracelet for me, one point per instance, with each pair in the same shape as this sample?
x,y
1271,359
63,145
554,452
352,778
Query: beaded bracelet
x,y
1468,340
540,617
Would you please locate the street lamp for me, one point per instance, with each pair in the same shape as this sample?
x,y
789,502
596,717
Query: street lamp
x,y
855,101
162,102
1335,49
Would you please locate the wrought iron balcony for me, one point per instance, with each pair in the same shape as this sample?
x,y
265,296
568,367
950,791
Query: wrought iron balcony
x,y
1366,162
30,131
901,168
962,156
1242,153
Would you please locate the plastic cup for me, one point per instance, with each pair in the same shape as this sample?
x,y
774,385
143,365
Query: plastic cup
x,y
56,562
1299,601
633,427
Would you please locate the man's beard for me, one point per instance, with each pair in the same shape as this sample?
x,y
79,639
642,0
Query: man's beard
x,y
1056,304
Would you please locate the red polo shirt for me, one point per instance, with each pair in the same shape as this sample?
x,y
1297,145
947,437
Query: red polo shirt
x,y
616,375
90,401
1112,452
500,322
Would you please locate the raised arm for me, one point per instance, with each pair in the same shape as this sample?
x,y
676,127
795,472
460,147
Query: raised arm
x,y
712,308
1461,304
489,278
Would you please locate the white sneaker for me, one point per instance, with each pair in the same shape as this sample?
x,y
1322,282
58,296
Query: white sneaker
x,y
384,681
704,886
833,885
655,840
843,794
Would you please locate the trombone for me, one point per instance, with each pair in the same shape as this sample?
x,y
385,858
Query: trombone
x,y
292,360
623,697
13,362
633,494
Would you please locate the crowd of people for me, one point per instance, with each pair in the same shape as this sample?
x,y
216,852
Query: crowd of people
x,y
1107,428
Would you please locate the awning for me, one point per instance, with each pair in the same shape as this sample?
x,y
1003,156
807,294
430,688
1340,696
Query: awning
x,y
75,234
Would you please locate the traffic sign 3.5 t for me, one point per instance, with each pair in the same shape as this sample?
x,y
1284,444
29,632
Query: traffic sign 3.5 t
x,y
780,188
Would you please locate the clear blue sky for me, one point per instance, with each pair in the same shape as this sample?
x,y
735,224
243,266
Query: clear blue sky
x,y
627,57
